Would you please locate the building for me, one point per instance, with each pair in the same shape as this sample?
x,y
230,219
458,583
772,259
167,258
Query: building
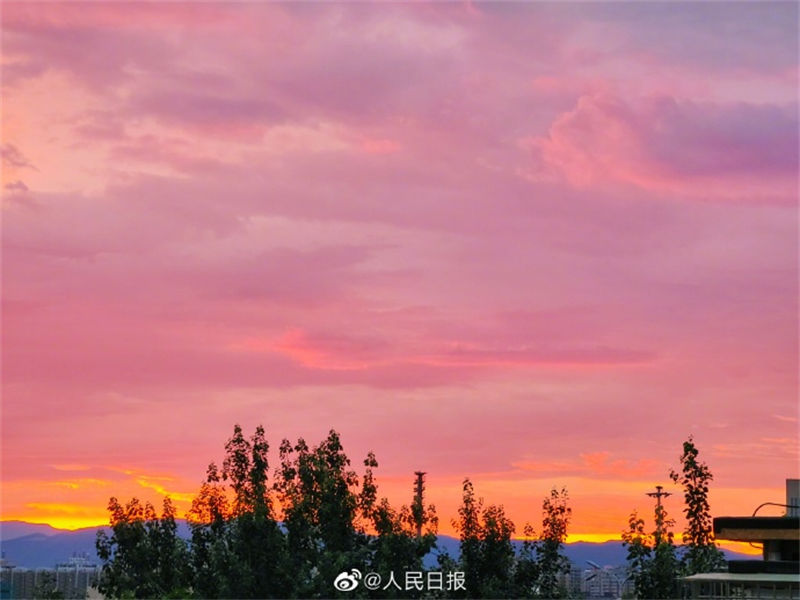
x,y
6,568
777,574
607,582
572,580
73,579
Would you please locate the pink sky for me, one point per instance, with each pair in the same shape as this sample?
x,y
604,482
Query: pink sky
x,y
533,244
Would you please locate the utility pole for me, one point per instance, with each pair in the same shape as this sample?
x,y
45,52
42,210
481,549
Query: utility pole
x,y
417,508
658,494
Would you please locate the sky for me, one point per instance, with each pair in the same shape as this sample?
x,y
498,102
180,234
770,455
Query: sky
x,y
533,244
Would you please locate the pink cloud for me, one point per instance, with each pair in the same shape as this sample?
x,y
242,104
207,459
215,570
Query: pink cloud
x,y
379,146
245,214
730,150
326,351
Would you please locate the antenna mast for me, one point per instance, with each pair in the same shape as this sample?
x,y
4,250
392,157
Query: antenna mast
x,y
658,494
418,507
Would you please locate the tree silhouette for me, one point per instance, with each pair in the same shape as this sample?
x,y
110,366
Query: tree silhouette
x,y
292,535
318,493
487,556
395,547
208,521
526,569
143,557
651,557
551,562
702,554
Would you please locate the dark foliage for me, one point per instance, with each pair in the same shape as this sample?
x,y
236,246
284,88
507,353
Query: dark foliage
x,y
651,557
702,554
551,561
143,557
293,535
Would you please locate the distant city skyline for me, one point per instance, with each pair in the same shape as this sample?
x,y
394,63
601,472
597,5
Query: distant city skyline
x,y
532,244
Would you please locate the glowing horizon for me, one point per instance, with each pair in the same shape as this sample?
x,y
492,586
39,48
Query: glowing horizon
x,y
531,244
595,538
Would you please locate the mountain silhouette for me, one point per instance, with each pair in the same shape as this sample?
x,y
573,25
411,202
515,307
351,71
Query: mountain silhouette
x,y
34,545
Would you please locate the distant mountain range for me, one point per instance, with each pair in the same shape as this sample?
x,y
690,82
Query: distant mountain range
x,y
34,545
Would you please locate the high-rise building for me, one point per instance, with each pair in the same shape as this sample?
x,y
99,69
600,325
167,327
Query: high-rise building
x,y
72,578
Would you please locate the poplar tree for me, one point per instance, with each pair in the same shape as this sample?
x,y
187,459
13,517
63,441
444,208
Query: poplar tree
x,y
651,557
468,527
551,561
143,557
318,493
702,554
526,567
395,547
208,522
487,555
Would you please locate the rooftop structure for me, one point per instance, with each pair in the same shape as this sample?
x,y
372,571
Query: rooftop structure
x,y
777,575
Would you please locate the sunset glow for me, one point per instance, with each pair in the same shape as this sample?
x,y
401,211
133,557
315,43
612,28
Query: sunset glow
x,y
533,244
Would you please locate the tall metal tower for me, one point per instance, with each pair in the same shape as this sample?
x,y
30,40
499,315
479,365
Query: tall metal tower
x,y
658,494
417,508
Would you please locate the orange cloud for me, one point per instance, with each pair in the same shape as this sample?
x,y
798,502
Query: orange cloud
x,y
147,482
595,464
81,483
71,467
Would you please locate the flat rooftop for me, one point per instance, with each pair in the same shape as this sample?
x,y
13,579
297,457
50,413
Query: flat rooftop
x,y
745,577
755,529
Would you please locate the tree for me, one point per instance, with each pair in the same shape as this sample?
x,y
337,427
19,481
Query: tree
x,y
702,554
143,557
551,561
497,553
469,529
651,556
318,494
238,549
252,537
526,567
395,547
208,521
487,556
640,555
257,546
